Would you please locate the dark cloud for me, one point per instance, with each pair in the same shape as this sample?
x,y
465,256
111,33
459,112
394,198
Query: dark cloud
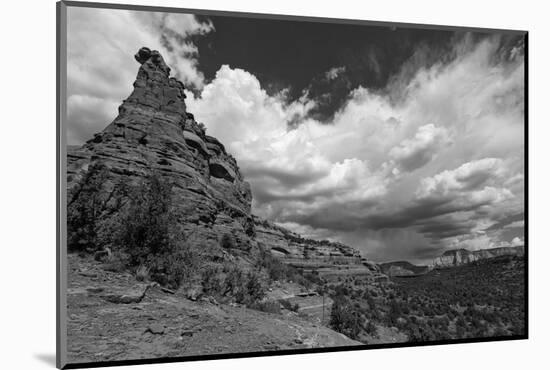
x,y
435,215
437,228
298,54
504,220
282,177
400,142
264,196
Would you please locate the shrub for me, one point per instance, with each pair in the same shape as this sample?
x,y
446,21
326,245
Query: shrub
x,y
148,232
227,241
371,328
276,270
142,273
211,282
232,282
289,306
345,318
266,306
254,289
115,263
85,205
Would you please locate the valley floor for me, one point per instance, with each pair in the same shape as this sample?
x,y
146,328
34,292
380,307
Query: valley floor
x,y
478,300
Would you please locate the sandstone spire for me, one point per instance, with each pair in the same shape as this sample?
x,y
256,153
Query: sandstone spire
x,y
154,132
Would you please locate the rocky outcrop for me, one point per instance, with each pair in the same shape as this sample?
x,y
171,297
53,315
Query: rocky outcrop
x,y
459,257
154,132
328,259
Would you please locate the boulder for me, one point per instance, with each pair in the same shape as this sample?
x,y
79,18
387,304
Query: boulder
x,y
155,329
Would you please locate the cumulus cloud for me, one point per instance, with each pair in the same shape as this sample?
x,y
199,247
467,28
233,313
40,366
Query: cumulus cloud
x,y
453,174
332,73
468,176
284,165
413,153
517,241
434,161
100,64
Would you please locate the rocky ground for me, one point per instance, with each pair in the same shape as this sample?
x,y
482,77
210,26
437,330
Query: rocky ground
x,y
111,316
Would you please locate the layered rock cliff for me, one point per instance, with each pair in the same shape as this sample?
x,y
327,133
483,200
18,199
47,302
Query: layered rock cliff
x,y
329,259
459,257
153,132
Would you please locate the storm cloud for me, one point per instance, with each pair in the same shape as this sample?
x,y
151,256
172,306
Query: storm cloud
x,y
408,162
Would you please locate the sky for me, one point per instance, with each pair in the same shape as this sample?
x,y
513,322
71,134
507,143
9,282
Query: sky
x,y
400,142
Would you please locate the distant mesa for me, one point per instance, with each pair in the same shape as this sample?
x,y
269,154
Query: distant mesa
x,y
458,257
450,258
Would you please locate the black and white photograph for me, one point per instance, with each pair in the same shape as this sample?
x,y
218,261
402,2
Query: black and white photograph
x,y
240,184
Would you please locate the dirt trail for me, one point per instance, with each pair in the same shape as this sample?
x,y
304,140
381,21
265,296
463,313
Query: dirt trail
x,y
162,324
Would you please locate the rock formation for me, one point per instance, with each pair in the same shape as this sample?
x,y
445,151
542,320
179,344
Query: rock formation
x,y
459,257
403,268
154,132
329,259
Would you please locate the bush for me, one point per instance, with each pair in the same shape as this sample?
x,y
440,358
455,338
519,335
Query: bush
x,y
148,232
211,282
85,205
143,233
371,328
227,241
289,306
345,318
115,263
254,289
232,282
266,306
276,270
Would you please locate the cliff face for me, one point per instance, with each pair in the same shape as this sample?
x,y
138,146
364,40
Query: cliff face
x,y
462,256
154,132
330,260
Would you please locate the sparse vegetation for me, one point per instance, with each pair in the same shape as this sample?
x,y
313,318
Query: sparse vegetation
x,y
85,205
231,283
148,232
266,306
289,306
481,299
279,271
346,317
143,233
